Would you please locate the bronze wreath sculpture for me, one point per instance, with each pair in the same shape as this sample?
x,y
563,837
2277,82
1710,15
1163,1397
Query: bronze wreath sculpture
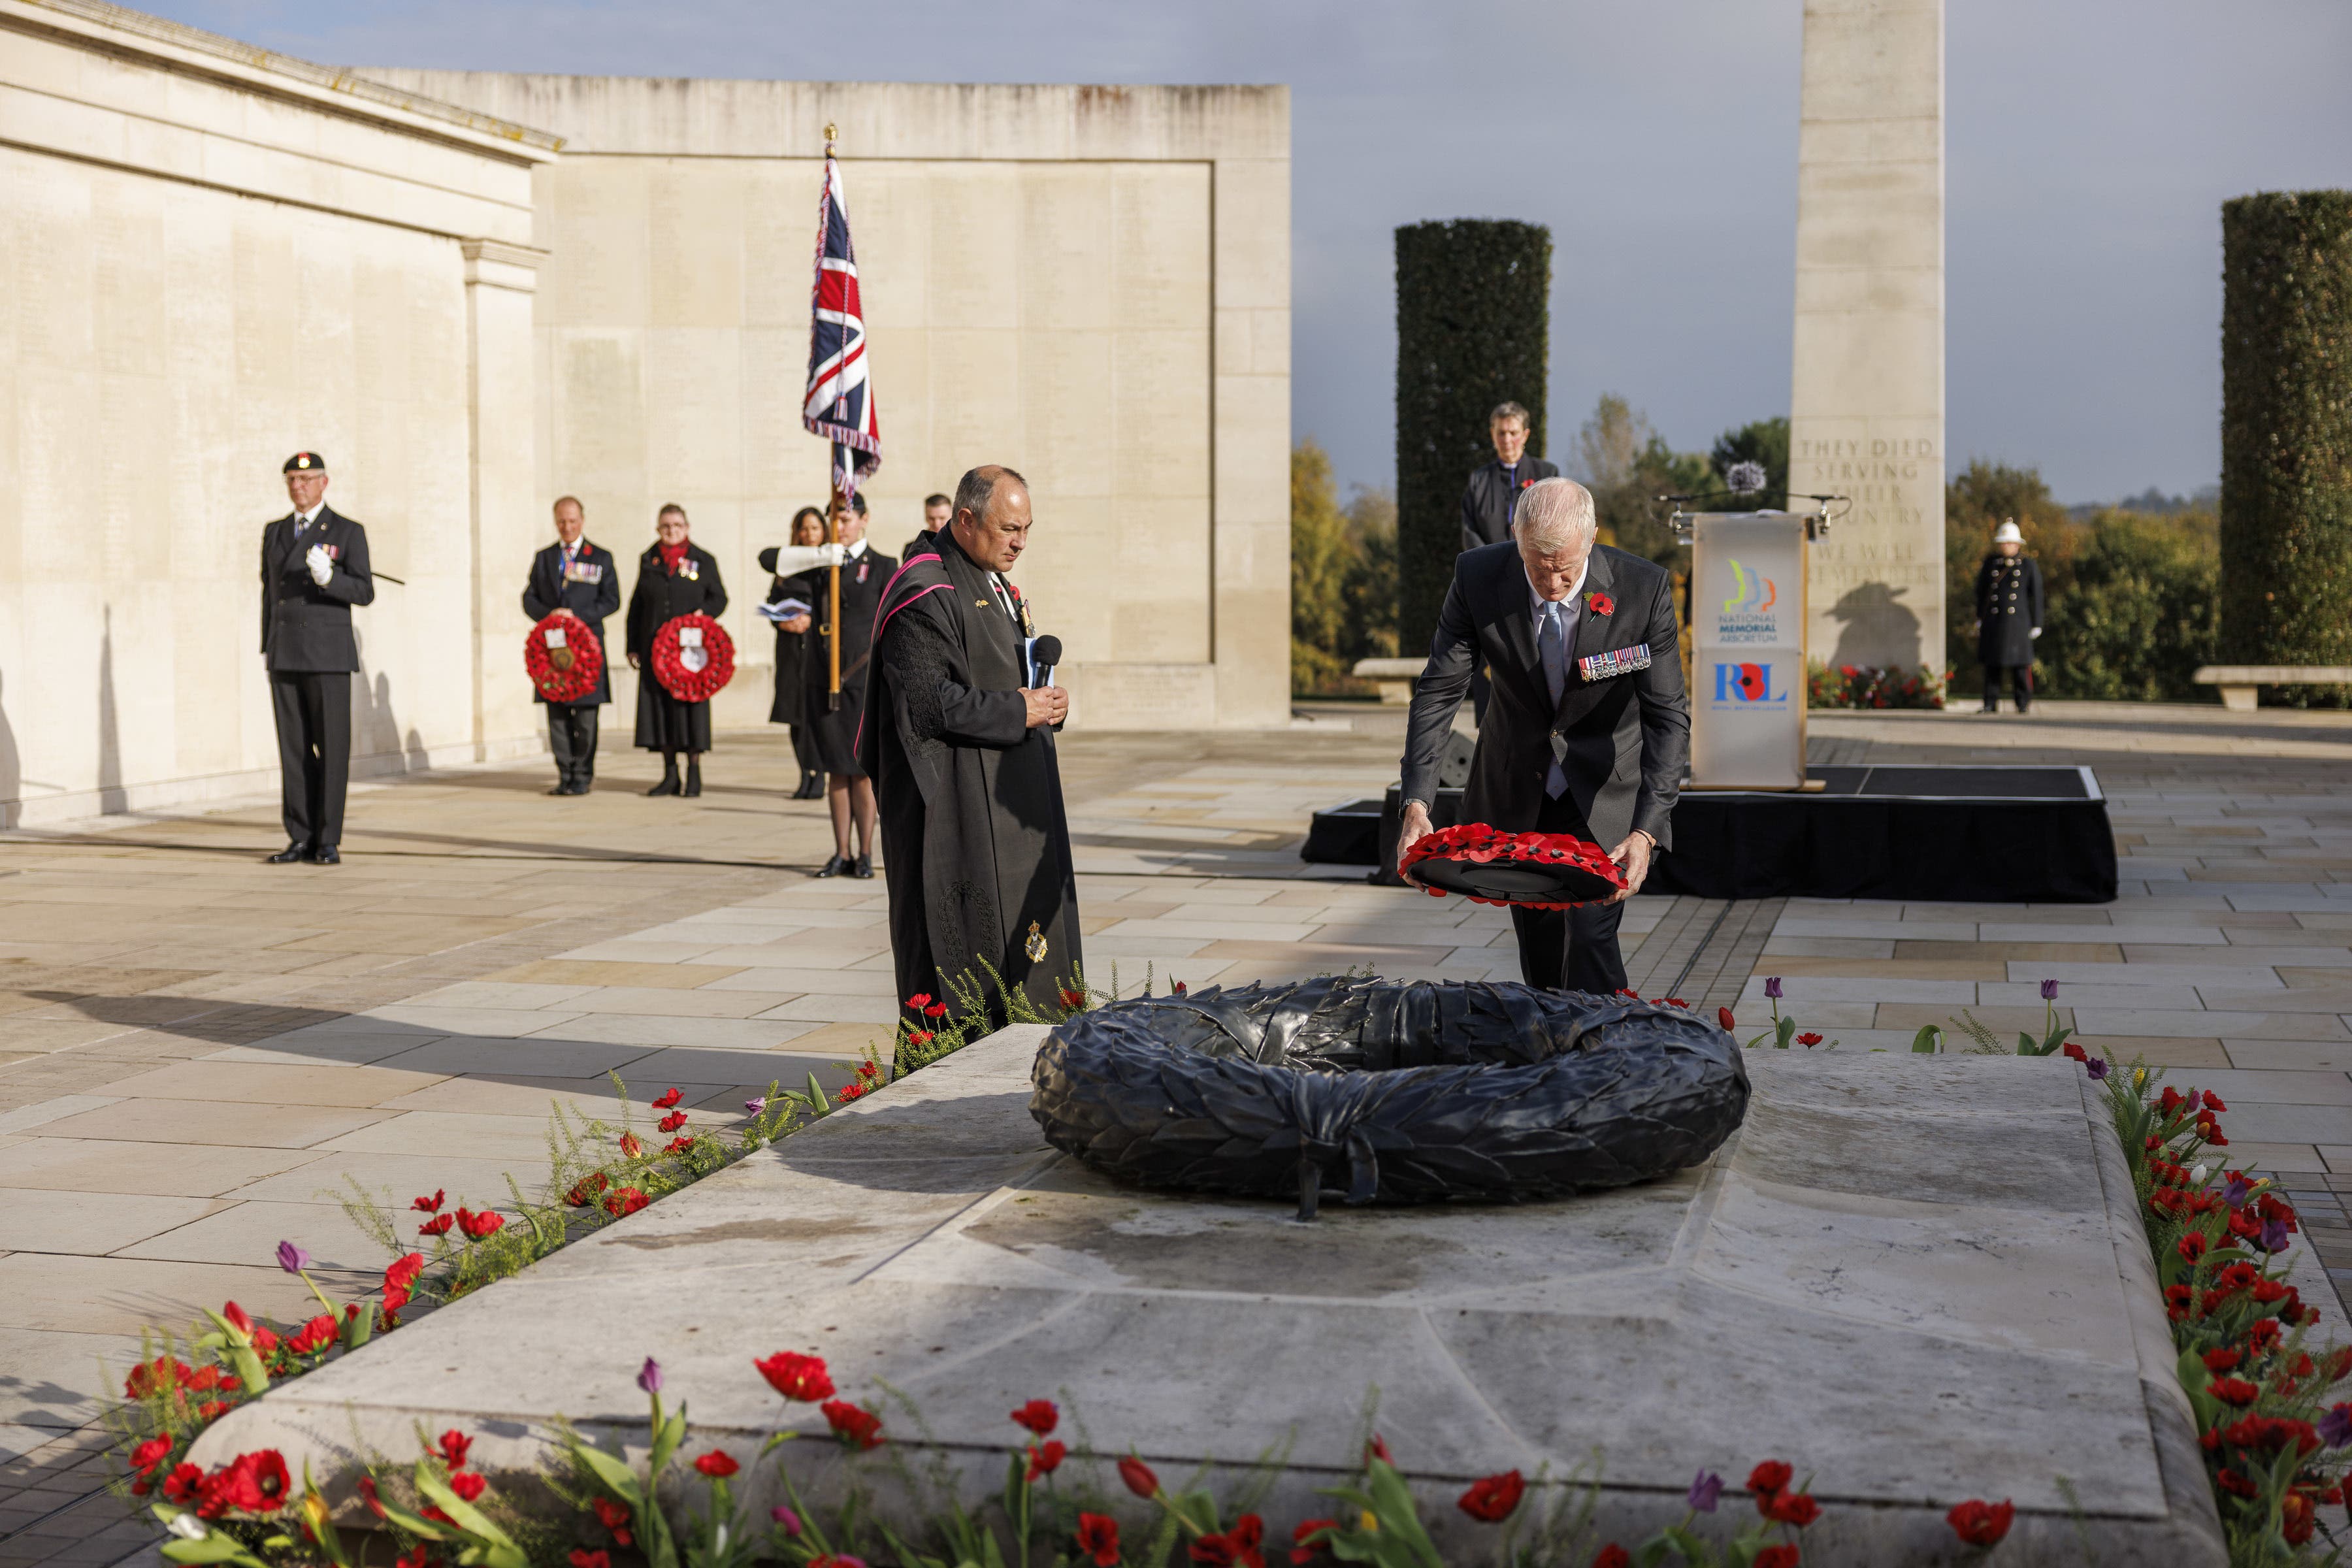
x,y
1388,1091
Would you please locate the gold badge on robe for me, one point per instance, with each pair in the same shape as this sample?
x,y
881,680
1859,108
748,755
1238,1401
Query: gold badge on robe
x,y
1036,946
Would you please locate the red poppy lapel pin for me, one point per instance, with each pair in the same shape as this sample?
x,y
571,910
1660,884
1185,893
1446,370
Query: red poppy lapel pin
x,y
1599,604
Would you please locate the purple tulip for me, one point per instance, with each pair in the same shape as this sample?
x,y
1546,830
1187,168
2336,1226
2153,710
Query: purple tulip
x,y
2050,991
649,1377
2097,1067
2236,1191
292,1259
1706,1487
755,1106
2275,1235
786,1519
1772,986
2335,1426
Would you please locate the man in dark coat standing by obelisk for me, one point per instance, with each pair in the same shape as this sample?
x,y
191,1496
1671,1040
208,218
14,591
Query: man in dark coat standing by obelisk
x,y
958,740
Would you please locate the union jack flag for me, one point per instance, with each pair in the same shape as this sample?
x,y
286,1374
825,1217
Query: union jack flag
x,y
840,403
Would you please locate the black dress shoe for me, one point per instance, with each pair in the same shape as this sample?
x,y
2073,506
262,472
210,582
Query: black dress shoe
x,y
668,785
288,855
326,855
865,867
564,788
833,867
693,779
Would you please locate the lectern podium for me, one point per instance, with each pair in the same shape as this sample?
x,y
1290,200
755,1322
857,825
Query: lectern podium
x,y
1748,646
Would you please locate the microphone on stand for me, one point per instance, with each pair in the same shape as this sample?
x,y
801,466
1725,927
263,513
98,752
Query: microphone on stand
x,y
1045,653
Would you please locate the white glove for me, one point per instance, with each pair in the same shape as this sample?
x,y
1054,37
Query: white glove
x,y
791,558
2037,631
321,569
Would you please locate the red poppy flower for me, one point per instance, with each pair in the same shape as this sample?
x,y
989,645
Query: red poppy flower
x,y
586,1187
453,1448
1072,998
437,1225
180,1486
2191,1245
1781,1556
615,1517
1789,1508
1137,1477
1723,1016
212,1409
1039,1415
1767,1479
855,1427
431,1205
1098,1539
1600,604
1306,1541
673,1122
477,1226
316,1335
262,1480
1809,1039
468,1485
678,1145
2232,1481
1492,1499
856,1089
149,1454
920,1000
399,1280
717,1464
2223,1358
1045,1458
919,1037
869,1069
2234,1391
1612,1556
666,1100
935,1010
797,1376
2297,1515
584,1558
622,1202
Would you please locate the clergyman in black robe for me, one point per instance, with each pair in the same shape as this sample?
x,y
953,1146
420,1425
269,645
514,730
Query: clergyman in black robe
x,y
958,740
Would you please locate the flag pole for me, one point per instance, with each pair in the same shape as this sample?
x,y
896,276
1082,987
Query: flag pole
x,y
833,536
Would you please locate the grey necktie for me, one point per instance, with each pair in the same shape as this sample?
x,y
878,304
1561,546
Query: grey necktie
x,y
1551,646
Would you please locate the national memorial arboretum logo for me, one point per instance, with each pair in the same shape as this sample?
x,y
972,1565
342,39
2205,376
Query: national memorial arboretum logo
x,y
1746,616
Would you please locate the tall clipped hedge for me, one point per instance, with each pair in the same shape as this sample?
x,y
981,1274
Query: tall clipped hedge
x,y
2286,432
1474,328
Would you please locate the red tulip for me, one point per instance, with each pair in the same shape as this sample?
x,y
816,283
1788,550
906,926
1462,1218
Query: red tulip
x,y
1492,1500
797,1376
1139,1476
431,1205
1980,1523
1789,1508
666,1100
468,1485
615,1517
630,1146
855,1427
1781,1556
453,1448
584,1558
1768,1479
1612,1556
717,1464
624,1201
1723,1016
437,1225
1039,1415
673,1122
1098,1539
1045,1458
477,1225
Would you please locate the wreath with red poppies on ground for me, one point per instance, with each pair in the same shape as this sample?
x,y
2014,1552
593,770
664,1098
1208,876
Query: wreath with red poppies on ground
x,y
1477,844
566,674
670,666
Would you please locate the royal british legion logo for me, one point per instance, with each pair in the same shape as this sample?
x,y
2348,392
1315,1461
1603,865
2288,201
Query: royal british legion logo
x,y
1748,684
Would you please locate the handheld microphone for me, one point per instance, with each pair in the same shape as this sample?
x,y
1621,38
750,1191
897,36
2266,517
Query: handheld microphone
x,y
1045,653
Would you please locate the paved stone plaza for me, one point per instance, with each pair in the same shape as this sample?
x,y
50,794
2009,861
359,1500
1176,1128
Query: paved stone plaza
x,y
196,1047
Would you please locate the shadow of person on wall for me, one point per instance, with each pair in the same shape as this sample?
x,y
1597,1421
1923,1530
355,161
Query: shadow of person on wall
x,y
1876,628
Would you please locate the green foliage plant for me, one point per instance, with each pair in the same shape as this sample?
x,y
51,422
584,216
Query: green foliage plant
x,y
1342,579
1474,323
2286,435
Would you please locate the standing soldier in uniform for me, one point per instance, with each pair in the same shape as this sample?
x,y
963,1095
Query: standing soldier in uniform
x,y
574,579
833,728
314,568
2008,618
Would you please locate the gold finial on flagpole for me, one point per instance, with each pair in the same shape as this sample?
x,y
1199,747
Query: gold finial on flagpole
x,y
829,134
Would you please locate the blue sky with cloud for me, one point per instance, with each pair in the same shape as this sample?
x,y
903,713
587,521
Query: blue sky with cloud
x,y
2089,145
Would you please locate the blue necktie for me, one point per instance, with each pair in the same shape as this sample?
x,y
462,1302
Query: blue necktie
x,y
1551,646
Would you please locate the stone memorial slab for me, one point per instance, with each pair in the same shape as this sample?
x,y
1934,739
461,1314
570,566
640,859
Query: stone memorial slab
x,y
1918,1279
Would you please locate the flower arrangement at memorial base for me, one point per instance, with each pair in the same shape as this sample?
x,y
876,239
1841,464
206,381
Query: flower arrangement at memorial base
x,y
693,669
565,657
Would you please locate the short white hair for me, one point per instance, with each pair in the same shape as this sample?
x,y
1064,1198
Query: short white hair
x,y
1553,514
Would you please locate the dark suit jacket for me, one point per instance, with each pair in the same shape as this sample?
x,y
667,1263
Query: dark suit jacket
x,y
1486,504
1624,741
303,624
591,602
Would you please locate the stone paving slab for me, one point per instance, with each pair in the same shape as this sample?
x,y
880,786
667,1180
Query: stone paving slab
x,y
1921,1281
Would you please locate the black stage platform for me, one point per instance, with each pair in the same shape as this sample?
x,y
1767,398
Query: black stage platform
x,y
1919,831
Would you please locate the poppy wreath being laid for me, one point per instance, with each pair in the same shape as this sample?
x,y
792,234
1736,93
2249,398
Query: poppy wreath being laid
x,y
1526,870
1388,1091
688,685
566,674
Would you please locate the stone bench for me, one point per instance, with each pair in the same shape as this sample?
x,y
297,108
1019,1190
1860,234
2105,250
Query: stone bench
x,y
1394,677
2238,681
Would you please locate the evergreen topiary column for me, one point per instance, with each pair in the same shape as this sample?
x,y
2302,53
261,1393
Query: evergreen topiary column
x,y
2286,433
1474,327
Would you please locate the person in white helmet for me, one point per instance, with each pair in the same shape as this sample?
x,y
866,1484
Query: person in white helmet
x,y
2008,618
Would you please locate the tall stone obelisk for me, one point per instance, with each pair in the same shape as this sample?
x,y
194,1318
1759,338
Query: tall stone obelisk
x,y
1866,403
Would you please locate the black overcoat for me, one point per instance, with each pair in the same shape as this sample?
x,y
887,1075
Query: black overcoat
x,y
792,651
305,624
592,593
1623,740
1487,502
974,841
2009,606
833,731
660,598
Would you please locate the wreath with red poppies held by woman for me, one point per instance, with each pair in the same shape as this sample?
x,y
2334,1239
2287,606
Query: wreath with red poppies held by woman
x,y
692,668
1526,870
564,656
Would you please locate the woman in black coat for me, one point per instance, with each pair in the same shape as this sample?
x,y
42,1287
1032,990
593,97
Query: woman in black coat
x,y
789,706
2008,618
674,578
